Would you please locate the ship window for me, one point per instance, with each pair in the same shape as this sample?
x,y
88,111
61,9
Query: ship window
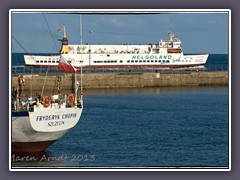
x,y
136,61
144,60
159,61
140,61
168,61
41,61
128,61
53,61
148,61
132,61
156,61
152,60
121,61
108,55
37,61
163,61
49,61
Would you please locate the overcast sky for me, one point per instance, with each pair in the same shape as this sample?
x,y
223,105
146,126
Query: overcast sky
x,y
199,32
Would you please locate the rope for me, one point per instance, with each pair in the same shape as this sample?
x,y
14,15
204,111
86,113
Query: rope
x,y
44,82
50,32
19,44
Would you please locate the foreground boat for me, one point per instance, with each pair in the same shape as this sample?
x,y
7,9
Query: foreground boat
x,y
39,121
165,54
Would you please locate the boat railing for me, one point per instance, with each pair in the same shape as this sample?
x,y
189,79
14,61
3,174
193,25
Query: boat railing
x,y
24,103
112,52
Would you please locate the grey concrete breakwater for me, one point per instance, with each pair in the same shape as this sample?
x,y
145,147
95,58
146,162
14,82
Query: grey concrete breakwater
x,y
115,80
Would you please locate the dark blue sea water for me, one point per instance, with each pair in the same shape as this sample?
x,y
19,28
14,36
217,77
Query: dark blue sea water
x,y
145,127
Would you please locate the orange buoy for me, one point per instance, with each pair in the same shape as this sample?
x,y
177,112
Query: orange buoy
x,y
46,101
70,99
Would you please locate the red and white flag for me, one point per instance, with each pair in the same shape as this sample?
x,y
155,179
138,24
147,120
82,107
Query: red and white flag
x,y
66,66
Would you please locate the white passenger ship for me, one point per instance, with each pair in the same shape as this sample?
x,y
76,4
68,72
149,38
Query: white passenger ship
x,y
165,54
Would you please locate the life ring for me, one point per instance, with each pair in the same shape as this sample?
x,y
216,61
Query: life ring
x,y
70,99
46,101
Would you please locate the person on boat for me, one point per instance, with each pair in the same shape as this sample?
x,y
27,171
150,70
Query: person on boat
x,y
14,93
21,82
14,97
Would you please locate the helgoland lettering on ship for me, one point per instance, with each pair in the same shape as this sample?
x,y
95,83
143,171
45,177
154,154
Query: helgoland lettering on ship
x,y
155,57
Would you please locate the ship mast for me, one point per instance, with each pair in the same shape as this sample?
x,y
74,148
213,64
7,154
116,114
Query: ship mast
x,y
81,83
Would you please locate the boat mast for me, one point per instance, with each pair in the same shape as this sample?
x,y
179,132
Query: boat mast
x,y
76,87
81,83
75,75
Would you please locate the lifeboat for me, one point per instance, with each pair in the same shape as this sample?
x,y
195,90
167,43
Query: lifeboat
x,y
174,50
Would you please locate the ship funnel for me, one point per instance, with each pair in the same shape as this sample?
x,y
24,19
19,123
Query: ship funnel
x,y
64,32
171,35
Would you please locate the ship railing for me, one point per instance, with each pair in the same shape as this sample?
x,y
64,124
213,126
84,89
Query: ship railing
x,y
25,103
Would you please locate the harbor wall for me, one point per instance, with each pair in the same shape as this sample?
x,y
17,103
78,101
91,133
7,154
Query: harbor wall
x,y
115,80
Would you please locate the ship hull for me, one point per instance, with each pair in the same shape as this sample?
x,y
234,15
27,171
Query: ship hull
x,y
129,61
31,146
26,139
36,131
127,66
